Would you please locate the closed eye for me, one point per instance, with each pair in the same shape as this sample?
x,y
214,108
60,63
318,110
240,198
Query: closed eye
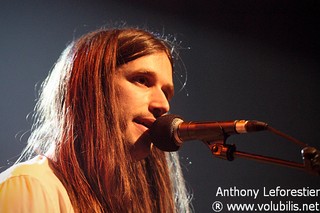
x,y
149,79
142,80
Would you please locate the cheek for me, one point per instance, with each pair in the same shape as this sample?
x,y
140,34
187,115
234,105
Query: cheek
x,y
129,97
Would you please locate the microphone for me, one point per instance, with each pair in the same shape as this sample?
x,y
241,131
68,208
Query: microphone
x,y
169,132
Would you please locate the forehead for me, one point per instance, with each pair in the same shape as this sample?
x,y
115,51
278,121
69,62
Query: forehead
x,y
157,64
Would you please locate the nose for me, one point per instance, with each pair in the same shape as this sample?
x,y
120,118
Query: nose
x,y
159,104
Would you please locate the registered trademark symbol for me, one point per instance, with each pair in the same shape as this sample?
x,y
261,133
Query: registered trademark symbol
x,y
217,206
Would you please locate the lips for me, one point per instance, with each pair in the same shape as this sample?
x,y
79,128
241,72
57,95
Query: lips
x,y
146,122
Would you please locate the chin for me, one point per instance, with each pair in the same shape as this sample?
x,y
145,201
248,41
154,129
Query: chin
x,y
140,153
141,148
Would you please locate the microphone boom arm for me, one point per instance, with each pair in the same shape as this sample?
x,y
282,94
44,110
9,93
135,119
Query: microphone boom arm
x,y
228,152
310,155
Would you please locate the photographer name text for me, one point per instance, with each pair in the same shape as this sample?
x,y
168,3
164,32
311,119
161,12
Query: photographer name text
x,y
267,192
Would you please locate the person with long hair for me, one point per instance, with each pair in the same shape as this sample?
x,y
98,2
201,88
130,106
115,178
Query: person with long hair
x,y
89,148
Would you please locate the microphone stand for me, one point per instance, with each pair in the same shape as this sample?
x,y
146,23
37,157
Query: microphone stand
x,y
310,155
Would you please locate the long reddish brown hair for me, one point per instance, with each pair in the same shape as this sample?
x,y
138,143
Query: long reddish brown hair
x,y
78,122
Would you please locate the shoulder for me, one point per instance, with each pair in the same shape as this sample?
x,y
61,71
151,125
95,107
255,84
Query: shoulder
x,y
37,168
32,184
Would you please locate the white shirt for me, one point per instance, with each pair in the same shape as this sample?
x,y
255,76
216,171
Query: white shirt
x,y
32,186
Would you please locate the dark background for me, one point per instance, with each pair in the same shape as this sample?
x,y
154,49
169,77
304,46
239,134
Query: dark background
x,y
244,60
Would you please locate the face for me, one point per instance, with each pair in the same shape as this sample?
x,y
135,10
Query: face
x,y
144,88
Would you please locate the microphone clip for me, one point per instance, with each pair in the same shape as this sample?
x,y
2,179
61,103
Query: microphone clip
x,y
223,150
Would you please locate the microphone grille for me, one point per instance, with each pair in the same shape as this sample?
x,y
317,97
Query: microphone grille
x,y
162,133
